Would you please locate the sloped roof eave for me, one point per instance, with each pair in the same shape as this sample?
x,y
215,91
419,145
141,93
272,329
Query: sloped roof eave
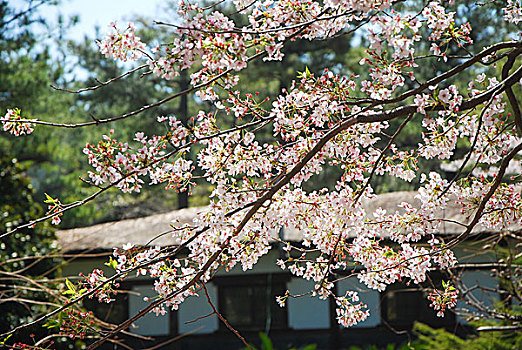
x,y
141,231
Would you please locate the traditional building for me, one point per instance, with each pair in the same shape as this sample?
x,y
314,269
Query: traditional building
x,y
247,299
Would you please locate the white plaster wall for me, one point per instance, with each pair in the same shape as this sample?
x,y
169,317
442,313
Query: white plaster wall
x,y
195,307
306,312
367,296
265,264
150,324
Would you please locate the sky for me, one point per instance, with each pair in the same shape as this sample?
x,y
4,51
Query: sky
x,y
94,13
99,13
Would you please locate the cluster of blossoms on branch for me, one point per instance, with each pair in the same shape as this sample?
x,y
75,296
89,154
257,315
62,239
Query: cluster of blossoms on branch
x,y
443,300
77,324
122,45
513,11
118,163
241,169
24,346
13,123
322,120
54,208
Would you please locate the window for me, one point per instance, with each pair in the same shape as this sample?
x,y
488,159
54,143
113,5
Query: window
x,y
149,324
114,312
402,305
248,302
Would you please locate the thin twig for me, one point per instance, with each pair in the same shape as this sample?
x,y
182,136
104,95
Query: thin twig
x,y
101,84
224,320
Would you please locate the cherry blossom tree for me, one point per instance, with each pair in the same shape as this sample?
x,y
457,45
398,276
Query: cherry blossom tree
x,y
325,119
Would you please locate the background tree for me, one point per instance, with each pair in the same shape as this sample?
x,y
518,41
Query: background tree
x,y
25,75
24,265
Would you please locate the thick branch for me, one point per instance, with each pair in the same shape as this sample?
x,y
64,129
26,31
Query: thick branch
x,y
509,91
468,104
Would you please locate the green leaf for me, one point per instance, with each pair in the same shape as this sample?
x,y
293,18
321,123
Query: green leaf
x,y
266,343
51,324
49,199
111,263
309,347
388,253
70,285
5,339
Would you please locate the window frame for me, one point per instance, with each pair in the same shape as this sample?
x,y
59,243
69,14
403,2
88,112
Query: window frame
x,y
250,280
402,288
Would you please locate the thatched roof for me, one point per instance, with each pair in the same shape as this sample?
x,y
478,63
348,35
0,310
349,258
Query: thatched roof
x,y
140,231
117,233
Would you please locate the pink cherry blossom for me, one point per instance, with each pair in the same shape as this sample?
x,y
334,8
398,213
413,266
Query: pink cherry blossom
x,y
12,123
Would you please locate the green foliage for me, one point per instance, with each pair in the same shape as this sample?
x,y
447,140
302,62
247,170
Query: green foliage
x,y
266,344
387,347
24,251
26,72
55,160
26,262
429,338
17,206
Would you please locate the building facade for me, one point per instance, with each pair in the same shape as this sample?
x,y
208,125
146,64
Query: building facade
x,y
247,298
